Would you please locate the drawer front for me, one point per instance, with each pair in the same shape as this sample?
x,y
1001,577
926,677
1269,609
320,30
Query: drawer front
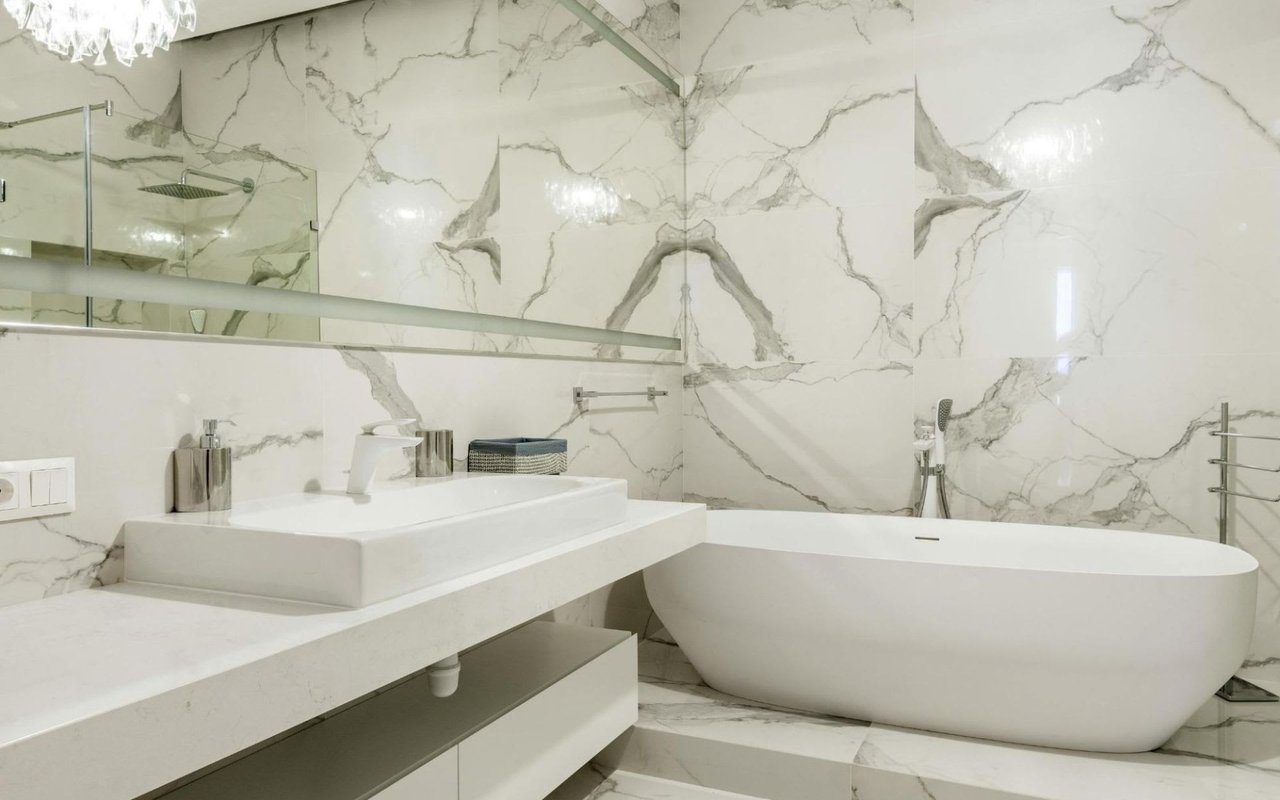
x,y
535,747
435,780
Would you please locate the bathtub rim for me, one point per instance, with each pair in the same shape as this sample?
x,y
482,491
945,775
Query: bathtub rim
x,y
1234,561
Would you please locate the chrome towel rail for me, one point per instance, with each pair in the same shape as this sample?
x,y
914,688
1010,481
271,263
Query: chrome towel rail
x,y
1236,690
1220,490
1243,466
1229,435
581,395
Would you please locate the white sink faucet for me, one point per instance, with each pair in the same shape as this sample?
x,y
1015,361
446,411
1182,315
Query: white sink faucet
x,y
369,448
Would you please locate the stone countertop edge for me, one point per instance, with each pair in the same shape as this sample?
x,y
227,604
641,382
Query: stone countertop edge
x,y
113,692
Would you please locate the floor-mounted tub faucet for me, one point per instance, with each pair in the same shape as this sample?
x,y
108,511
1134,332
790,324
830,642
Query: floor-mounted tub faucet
x,y
370,446
931,458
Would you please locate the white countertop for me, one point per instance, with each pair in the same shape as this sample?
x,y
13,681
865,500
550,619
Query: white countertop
x,y
113,692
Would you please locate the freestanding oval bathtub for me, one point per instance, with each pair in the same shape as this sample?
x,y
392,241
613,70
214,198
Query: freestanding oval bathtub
x,y
1062,637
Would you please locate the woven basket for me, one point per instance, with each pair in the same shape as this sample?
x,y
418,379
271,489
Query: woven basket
x,y
518,456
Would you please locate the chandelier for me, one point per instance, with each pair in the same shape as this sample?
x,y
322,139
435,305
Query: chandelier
x,y
79,29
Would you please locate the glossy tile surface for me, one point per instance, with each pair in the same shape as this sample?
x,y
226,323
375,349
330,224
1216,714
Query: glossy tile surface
x,y
1225,752
472,154
1087,272
593,783
292,416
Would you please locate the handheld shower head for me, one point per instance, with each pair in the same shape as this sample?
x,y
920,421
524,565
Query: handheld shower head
x,y
942,414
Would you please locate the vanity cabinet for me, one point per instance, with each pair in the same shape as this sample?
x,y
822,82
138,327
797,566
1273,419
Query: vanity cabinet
x,y
437,778
532,707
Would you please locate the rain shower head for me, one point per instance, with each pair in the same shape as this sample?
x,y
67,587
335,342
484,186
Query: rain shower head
x,y
182,190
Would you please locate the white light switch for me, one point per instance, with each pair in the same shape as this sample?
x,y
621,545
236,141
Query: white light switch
x,y
40,487
57,486
37,488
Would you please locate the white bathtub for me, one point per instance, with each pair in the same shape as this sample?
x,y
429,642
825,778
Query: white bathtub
x,y
1062,637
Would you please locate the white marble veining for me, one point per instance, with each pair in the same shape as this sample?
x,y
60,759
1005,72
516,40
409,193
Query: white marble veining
x,y
485,166
1225,752
293,413
817,436
593,783
1090,186
218,673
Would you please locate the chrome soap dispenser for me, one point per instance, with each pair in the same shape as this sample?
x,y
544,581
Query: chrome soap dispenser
x,y
202,473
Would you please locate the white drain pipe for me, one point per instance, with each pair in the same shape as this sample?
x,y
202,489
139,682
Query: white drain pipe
x,y
442,676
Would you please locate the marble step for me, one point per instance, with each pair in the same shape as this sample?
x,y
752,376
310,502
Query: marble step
x,y
689,732
594,783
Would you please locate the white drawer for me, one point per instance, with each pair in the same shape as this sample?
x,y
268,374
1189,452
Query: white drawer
x,y
537,745
435,780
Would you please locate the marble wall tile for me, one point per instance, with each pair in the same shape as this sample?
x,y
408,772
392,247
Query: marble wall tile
x,y
38,82
806,285
1095,95
1113,442
818,436
592,157
726,33
1176,265
546,49
831,130
623,276
417,138
950,16
656,23
119,405
1091,270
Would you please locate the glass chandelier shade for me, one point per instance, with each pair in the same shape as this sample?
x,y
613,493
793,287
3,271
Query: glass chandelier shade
x,y
80,29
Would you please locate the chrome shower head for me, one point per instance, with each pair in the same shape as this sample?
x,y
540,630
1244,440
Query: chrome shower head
x,y
943,414
182,190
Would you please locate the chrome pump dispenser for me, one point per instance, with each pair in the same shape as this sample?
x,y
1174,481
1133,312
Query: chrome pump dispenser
x,y
202,473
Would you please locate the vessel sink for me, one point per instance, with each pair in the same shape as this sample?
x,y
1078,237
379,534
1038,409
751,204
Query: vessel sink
x,y
345,550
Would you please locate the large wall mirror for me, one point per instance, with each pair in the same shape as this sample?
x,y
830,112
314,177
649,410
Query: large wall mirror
x,y
484,175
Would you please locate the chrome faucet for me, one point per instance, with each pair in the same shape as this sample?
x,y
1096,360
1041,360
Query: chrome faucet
x,y
369,448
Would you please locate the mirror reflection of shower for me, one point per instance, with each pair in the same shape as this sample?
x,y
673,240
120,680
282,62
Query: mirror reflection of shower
x,y
121,192
183,190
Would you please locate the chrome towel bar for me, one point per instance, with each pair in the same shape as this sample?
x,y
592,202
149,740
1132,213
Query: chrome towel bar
x,y
1227,434
1220,490
1220,462
580,395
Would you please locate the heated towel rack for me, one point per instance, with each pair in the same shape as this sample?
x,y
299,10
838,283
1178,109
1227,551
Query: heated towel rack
x,y
1237,690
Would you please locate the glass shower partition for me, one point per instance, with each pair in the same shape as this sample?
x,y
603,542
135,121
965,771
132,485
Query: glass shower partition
x,y
42,213
182,205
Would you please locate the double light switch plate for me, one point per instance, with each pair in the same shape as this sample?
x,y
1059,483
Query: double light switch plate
x,y
38,487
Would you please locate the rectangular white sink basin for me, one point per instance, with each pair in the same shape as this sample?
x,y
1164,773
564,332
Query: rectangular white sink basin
x,y
339,549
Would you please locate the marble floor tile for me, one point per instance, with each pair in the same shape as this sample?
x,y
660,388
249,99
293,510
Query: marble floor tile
x,y
591,783
690,732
